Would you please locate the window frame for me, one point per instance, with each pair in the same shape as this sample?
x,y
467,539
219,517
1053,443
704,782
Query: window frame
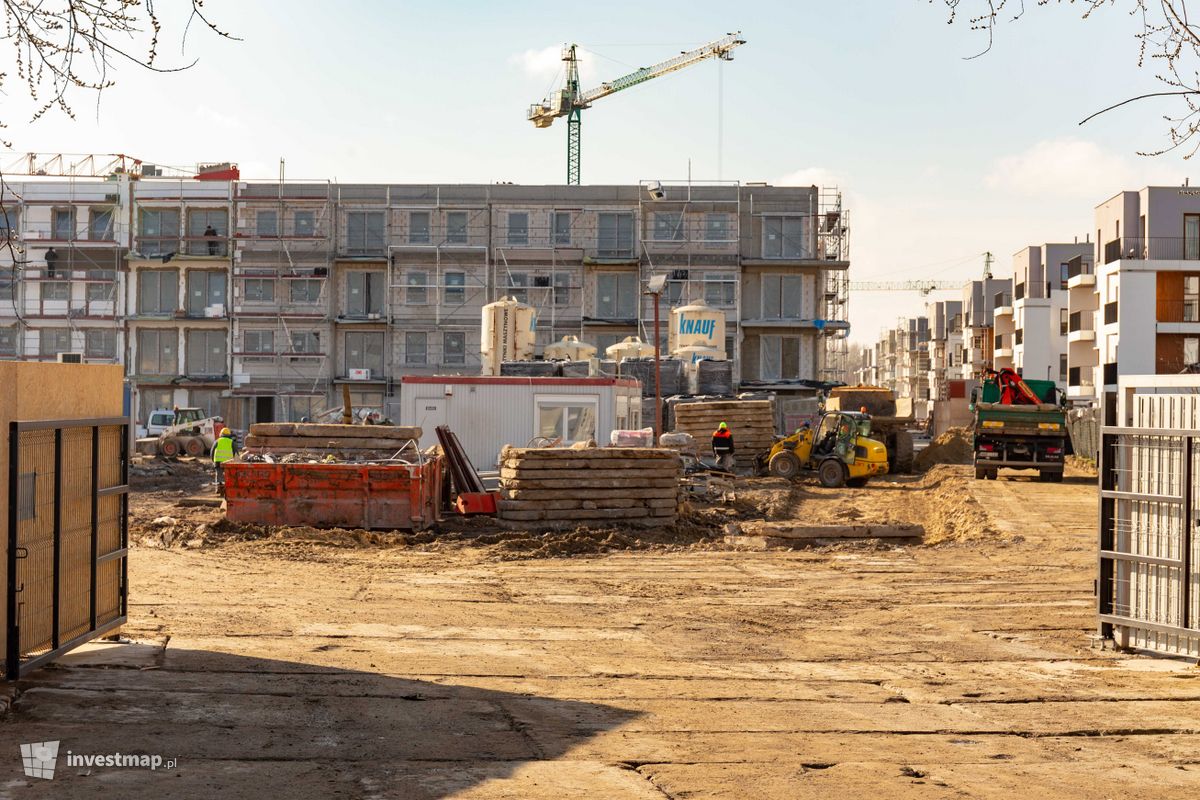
x,y
446,349
420,233
516,236
248,297
564,404
453,233
106,333
410,339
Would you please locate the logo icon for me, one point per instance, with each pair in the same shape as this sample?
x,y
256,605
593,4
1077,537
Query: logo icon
x,y
39,759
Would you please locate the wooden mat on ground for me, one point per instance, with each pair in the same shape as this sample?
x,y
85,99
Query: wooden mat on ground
x,y
752,423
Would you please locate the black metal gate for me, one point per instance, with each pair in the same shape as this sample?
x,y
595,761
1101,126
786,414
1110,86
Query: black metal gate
x,y
68,506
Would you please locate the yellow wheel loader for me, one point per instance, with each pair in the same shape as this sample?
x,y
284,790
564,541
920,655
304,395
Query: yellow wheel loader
x,y
839,451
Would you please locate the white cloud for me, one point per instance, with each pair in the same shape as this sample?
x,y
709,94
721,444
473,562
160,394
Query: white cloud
x,y
543,64
1075,168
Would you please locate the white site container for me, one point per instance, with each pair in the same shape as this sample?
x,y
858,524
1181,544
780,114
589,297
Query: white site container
x,y
697,325
489,412
508,333
569,348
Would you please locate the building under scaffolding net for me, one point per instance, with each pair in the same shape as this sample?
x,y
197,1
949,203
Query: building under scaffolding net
x,y
259,300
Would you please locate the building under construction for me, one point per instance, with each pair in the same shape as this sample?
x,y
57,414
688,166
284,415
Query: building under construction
x,y
258,300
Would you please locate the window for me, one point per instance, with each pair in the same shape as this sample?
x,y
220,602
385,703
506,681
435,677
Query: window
x,y
675,292
258,290
102,285
207,229
266,223
782,296
1191,236
364,232
517,286
783,237
100,343
156,353
1063,275
614,235
205,288
454,347
1191,350
716,227
616,295
206,351
8,223
159,231
304,408
52,341
1191,298
207,400
1062,368
455,291
364,350
258,341
8,341
720,288
152,399
780,358
562,288
100,225
668,227
562,227
415,291
414,347
304,223
63,224
569,419
418,227
56,290
456,227
304,291
306,342
518,227
364,293
1064,321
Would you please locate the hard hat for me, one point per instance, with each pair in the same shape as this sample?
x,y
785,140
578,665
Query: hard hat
x,y
722,427
226,432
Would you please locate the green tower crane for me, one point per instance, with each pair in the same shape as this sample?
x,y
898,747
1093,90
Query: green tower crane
x,y
569,101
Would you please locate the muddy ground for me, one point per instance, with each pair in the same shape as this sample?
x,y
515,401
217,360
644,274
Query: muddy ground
x,y
613,664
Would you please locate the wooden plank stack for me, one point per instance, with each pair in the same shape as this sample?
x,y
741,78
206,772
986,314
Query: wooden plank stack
x,y
752,423
565,487
321,440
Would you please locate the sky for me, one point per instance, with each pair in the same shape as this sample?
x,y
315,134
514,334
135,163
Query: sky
x,y
940,157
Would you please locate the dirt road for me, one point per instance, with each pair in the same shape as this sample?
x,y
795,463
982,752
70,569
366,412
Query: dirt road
x,y
287,668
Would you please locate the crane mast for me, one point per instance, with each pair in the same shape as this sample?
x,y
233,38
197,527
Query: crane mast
x,y
570,100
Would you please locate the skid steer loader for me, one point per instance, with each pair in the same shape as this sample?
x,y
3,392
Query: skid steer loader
x,y
839,451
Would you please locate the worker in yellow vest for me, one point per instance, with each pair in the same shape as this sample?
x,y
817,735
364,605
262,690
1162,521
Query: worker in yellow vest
x,y
223,449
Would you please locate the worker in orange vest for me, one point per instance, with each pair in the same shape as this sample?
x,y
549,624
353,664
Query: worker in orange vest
x,y
722,445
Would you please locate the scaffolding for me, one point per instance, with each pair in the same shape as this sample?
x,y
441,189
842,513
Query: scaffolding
x,y
833,245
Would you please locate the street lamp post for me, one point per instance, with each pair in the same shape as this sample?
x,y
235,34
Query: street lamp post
x,y
654,288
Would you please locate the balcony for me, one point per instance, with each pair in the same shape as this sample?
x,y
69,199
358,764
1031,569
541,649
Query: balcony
x,y
1003,304
1003,347
1110,312
1110,374
1081,326
1019,291
1160,248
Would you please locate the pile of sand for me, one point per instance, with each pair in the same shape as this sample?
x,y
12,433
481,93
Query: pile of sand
x,y
952,447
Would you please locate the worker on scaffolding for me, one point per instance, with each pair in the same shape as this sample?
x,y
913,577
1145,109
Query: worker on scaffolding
x,y
722,445
223,449
210,233
51,262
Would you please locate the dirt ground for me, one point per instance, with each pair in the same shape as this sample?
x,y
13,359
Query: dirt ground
x,y
611,664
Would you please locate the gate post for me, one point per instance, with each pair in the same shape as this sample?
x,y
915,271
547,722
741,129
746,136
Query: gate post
x,y
12,649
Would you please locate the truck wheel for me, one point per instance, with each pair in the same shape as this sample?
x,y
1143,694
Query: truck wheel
x,y
900,452
993,474
1050,477
784,465
832,474
980,474
193,447
169,448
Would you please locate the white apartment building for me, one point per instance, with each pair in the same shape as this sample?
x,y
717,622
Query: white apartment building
x,y
945,345
1139,313
1040,315
979,335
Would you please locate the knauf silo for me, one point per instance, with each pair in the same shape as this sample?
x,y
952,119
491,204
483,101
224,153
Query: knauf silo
x,y
569,348
697,325
508,333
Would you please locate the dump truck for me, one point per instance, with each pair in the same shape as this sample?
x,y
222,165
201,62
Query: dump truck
x,y
1019,424
891,417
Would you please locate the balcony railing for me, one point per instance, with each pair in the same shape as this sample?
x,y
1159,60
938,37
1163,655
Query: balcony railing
x,y
1019,291
1110,312
1175,248
1003,299
1077,266
1001,340
1110,374
1186,310
1080,321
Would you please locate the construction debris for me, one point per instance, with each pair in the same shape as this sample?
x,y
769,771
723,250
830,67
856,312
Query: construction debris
x,y
952,447
564,487
751,421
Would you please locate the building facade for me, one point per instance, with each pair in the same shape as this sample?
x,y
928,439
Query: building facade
x,y
1040,309
258,300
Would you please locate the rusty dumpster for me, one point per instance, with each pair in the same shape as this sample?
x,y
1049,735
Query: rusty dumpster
x,y
398,496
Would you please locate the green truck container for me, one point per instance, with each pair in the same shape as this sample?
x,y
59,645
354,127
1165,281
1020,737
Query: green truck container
x,y
1020,436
